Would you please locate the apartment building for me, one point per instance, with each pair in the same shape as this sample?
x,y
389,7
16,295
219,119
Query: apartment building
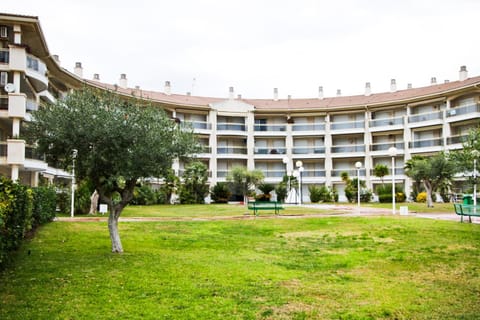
x,y
316,138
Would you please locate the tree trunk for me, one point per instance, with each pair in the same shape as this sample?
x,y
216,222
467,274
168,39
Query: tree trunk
x,y
113,230
429,189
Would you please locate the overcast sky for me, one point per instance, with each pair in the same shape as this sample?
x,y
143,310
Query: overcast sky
x,y
206,46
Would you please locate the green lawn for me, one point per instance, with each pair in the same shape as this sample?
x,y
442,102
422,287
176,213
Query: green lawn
x,y
311,268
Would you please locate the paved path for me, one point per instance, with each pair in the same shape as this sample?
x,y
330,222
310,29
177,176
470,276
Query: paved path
x,y
336,210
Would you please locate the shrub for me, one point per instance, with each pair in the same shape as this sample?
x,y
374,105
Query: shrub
x,y
385,198
63,201
281,191
82,197
266,188
315,193
144,195
221,193
44,205
422,197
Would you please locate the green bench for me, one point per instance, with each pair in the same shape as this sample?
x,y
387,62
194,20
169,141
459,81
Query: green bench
x,y
467,210
264,205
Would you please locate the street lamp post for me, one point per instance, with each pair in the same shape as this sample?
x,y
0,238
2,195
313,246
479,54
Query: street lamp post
x,y
358,165
72,204
299,165
393,153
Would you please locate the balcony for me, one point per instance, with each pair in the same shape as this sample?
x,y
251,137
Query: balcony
x,y
200,125
457,139
352,173
4,56
281,150
425,117
308,127
386,122
31,105
231,150
231,127
36,70
16,105
273,173
15,151
32,153
348,125
467,112
385,146
398,171
348,148
313,173
434,142
270,127
308,150
3,103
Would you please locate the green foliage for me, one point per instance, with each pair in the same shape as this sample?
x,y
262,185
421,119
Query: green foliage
x,y
266,188
243,181
385,193
380,171
144,195
63,201
82,197
44,205
281,191
315,193
15,216
194,188
221,192
352,194
169,186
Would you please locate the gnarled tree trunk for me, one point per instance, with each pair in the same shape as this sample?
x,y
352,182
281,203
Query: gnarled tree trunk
x,y
113,230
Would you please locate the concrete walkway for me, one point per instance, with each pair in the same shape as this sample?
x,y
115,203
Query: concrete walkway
x,y
336,210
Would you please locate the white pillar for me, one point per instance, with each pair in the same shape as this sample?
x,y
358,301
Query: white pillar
x,y
14,173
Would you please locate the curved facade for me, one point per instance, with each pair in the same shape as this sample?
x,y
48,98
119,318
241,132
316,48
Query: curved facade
x,y
328,135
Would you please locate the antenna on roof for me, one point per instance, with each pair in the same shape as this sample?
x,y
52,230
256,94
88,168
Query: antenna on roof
x,y
193,86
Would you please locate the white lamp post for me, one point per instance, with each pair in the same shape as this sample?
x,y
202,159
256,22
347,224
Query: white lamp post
x,y
72,204
299,165
393,153
358,165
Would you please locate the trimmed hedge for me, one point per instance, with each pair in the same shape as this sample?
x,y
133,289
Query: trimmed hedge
x,y
21,209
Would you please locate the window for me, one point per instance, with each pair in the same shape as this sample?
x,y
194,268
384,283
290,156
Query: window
x,y
3,78
3,32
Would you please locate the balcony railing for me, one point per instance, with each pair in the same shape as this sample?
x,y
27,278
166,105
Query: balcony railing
x,y
273,173
457,139
426,143
202,125
205,149
281,150
398,171
222,173
4,103
425,117
270,127
4,56
386,146
463,110
386,122
32,153
231,126
309,127
308,150
347,125
31,105
348,148
313,173
352,173
3,149
36,65
231,150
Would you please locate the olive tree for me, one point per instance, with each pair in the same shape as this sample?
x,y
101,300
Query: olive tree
x,y
118,141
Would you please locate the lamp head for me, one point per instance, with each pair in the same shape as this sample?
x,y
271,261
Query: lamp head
x,y
392,151
299,163
358,164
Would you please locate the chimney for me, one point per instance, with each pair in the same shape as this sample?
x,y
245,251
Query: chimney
x,y
433,80
78,69
189,93
368,89
275,94
289,97
320,93
122,83
96,77
239,97
168,89
463,74
447,81
393,85
339,92
231,93
409,86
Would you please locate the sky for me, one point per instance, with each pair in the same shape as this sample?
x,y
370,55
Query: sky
x,y
206,46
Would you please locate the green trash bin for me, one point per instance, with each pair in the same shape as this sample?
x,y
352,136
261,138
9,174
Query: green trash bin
x,y
467,199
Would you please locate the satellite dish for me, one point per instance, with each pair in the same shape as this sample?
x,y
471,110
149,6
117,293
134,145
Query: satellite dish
x,y
10,87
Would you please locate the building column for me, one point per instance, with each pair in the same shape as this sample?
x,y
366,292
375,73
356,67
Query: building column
x,y
34,179
14,172
328,153
212,117
367,139
250,124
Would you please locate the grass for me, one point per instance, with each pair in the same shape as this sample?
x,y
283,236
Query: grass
x,y
327,268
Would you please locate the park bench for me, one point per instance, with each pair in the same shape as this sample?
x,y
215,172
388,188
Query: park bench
x,y
467,210
264,205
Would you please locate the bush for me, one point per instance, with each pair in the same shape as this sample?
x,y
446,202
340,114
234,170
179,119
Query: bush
x,y
144,195
44,205
422,197
315,193
281,191
82,197
385,198
63,201
221,193
266,188
15,216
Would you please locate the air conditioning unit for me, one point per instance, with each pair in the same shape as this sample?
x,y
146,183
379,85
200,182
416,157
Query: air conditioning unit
x,y
3,32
